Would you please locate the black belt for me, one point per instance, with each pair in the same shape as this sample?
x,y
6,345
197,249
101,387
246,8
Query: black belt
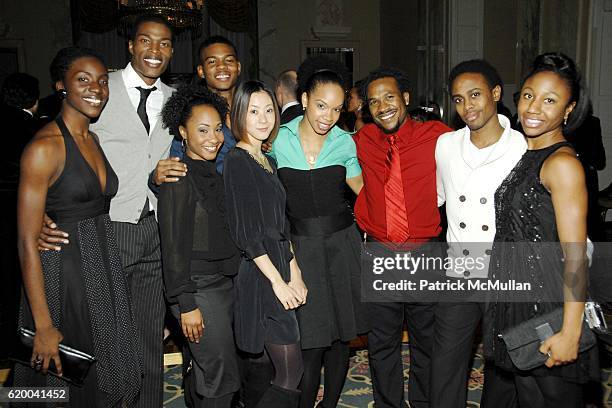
x,y
226,266
324,225
145,215
146,211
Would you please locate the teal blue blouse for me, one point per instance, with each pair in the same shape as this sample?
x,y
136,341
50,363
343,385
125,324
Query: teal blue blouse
x,y
338,149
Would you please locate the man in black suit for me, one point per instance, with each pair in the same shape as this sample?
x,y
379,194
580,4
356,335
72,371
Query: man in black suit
x,y
19,102
286,96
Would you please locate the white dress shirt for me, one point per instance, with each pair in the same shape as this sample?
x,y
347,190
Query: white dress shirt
x,y
467,178
288,105
155,101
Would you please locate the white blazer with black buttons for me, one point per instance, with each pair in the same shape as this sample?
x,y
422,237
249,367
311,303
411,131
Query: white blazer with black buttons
x,y
468,189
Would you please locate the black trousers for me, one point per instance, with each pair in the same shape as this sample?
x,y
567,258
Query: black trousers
x,y
454,329
141,259
214,362
384,348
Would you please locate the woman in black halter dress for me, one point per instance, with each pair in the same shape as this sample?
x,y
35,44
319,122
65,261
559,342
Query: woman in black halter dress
x,y
540,213
77,296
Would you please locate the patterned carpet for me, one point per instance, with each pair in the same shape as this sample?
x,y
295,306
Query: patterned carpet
x,y
358,388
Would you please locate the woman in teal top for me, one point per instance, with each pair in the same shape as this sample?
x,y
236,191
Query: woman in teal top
x,y
316,162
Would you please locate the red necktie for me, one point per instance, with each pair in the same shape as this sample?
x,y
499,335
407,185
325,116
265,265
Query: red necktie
x,y
395,204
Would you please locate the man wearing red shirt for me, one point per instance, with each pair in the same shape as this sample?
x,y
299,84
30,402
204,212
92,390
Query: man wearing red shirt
x,y
398,203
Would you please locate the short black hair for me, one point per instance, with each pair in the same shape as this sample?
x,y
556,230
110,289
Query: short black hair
x,y
150,18
20,90
318,70
178,108
477,66
424,114
288,81
66,56
566,68
400,77
216,39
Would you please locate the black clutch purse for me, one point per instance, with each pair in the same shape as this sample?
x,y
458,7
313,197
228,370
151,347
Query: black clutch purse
x,y
75,363
523,341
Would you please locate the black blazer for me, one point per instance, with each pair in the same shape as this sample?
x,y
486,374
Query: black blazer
x,y
291,113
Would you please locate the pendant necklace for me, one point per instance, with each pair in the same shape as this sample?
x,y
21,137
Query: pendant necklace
x,y
311,158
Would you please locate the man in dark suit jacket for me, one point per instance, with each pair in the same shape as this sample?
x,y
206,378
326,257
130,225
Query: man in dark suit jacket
x,y
286,96
18,105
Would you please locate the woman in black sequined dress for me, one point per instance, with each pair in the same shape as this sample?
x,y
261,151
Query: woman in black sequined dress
x,y
543,201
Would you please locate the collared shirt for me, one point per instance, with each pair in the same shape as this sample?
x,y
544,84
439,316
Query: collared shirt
x,y
132,153
467,178
288,105
416,142
338,149
155,101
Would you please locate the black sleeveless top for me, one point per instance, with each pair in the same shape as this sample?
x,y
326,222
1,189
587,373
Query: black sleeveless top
x,y
523,207
316,200
526,249
77,193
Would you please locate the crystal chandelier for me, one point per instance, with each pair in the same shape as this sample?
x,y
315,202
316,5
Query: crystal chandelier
x,y
181,14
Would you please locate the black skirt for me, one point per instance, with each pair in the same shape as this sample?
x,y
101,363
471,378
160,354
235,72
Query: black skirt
x,y
330,266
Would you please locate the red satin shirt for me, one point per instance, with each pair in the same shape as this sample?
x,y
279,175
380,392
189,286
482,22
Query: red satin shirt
x,y
417,146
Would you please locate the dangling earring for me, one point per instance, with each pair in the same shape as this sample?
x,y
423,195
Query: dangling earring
x,y
183,144
63,93
565,121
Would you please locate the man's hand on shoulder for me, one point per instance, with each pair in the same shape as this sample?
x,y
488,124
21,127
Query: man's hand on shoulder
x,y
51,238
169,170
266,147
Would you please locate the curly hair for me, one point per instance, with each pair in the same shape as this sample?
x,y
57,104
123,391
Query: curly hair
x,y
64,58
318,70
177,110
566,68
477,66
20,90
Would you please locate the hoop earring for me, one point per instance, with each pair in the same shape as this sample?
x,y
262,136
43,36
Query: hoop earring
x,y
183,144
63,93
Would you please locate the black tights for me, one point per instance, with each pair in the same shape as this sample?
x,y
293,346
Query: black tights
x,y
335,359
288,365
